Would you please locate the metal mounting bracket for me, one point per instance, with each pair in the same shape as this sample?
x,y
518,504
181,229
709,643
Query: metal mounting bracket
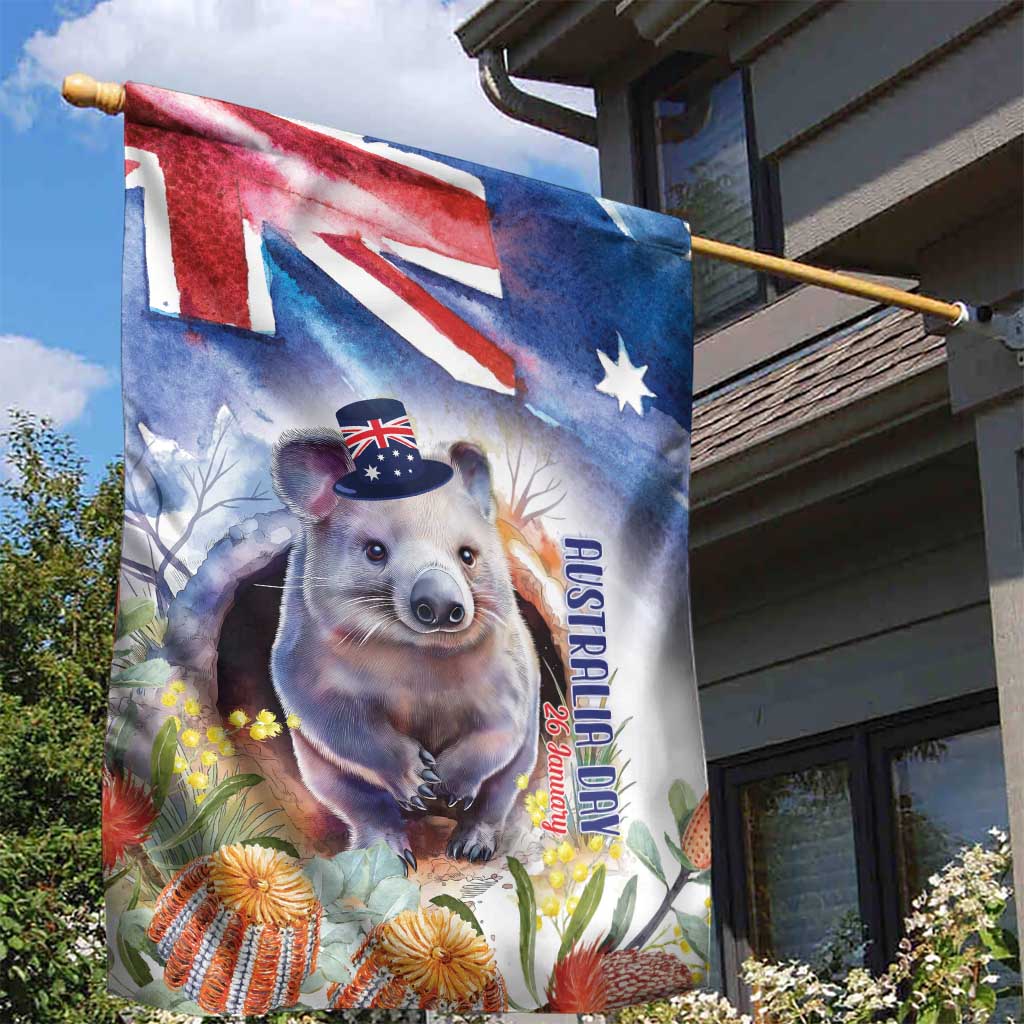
x,y
1007,328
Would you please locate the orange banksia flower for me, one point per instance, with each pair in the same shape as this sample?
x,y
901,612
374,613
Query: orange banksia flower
x,y
426,959
128,815
578,983
696,840
239,930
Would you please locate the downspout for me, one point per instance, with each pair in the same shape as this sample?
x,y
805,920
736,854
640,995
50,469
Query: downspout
x,y
541,113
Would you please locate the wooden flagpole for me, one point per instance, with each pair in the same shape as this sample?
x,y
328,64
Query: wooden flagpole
x,y
82,90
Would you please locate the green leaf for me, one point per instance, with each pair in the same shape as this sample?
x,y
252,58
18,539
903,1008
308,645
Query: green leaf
x,y
682,800
161,761
1003,945
334,966
685,863
460,909
527,923
136,967
133,925
120,736
696,930
218,796
314,982
622,917
392,895
382,863
641,842
585,909
147,673
327,877
273,843
134,613
985,998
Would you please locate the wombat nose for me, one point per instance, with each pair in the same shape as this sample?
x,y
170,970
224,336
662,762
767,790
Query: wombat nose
x,y
435,599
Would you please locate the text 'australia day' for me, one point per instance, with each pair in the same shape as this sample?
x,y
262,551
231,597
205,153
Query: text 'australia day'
x,y
589,721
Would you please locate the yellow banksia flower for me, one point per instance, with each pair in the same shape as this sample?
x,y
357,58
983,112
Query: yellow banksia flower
x,y
596,843
550,857
209,758
226,748
580,872
557,879
571,904
180,765
266,717
522,781
565,852
177,686
293,721
541,796
267,886
169,700
192,706
198,780
258,732
615,850
215,733
550,906
190,738
238,718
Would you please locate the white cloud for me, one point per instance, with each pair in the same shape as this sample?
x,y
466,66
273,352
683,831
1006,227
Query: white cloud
x,y
389,68
47,381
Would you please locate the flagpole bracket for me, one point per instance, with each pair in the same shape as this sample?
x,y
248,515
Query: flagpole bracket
x,y
984,321
81,90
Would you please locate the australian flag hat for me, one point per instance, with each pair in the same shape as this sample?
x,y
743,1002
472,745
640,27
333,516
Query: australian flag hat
x,y
383,448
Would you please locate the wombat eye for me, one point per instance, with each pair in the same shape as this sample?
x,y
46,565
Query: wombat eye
x,y
375,551
467,556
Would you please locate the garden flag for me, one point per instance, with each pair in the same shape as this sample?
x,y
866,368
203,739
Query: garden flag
x,y
403,711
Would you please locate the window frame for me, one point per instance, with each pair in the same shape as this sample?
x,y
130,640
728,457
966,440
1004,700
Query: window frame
x,y
695,72
867,746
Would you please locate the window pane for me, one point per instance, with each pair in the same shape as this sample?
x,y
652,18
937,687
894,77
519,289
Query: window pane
x,y
802,869
704,177
948,793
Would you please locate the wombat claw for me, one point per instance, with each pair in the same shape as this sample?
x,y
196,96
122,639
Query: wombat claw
x,y
476,853
410,859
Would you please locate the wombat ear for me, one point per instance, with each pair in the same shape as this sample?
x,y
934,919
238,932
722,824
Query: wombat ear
x,y
475,472
306,465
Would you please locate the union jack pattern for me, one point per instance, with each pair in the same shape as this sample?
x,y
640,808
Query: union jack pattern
x,y
359,438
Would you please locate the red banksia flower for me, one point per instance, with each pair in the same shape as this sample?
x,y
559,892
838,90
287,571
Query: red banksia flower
x,y
641,976
696,840
578,983
128,815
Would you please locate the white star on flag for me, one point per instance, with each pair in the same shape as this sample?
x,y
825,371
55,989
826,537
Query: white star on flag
x,y
372,472
380,458
624,381
395,454
398,472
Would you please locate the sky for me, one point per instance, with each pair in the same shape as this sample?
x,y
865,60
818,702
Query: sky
x,y
388,68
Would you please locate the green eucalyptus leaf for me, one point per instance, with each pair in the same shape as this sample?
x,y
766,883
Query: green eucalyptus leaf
x,y
622,917
327,877
527,924
392,895
119,739
334,966
134,613
154,672
132,926
136,967
682,800
696,930
161,761
585,909
684,862
641,842
314,982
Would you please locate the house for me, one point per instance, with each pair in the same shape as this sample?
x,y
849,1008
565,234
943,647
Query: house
x,y
856,501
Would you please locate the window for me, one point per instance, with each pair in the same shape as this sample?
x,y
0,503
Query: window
x,y
821,846
700,164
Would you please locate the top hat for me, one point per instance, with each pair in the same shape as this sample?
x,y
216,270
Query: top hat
x,y
383,447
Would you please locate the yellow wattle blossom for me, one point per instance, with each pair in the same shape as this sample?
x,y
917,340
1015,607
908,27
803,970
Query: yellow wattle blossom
x,y
180,764
541,796
226,748
238,718
531,804
707,902
684,946
615,850
677,931
551,906
566,852
273,729
550,857
190,738
198,780
208,758
580,872
540,922
177,686
258,732
266,717
571,904
537,816
293,721
176,720
215,733
596,843
169,700
200,797
557,879
697,976
522,781
192,706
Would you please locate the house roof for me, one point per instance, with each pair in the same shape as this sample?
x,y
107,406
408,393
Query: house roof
x,y
839,370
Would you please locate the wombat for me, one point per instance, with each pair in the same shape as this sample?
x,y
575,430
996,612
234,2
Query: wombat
x,y
401,647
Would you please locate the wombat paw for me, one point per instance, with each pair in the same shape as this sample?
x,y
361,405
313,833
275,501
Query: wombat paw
x,y
476,843
418,784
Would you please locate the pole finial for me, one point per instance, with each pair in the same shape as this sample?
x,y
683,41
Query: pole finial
x,y
82,90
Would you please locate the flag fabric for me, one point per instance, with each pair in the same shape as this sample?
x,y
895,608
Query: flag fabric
x,y
403,712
